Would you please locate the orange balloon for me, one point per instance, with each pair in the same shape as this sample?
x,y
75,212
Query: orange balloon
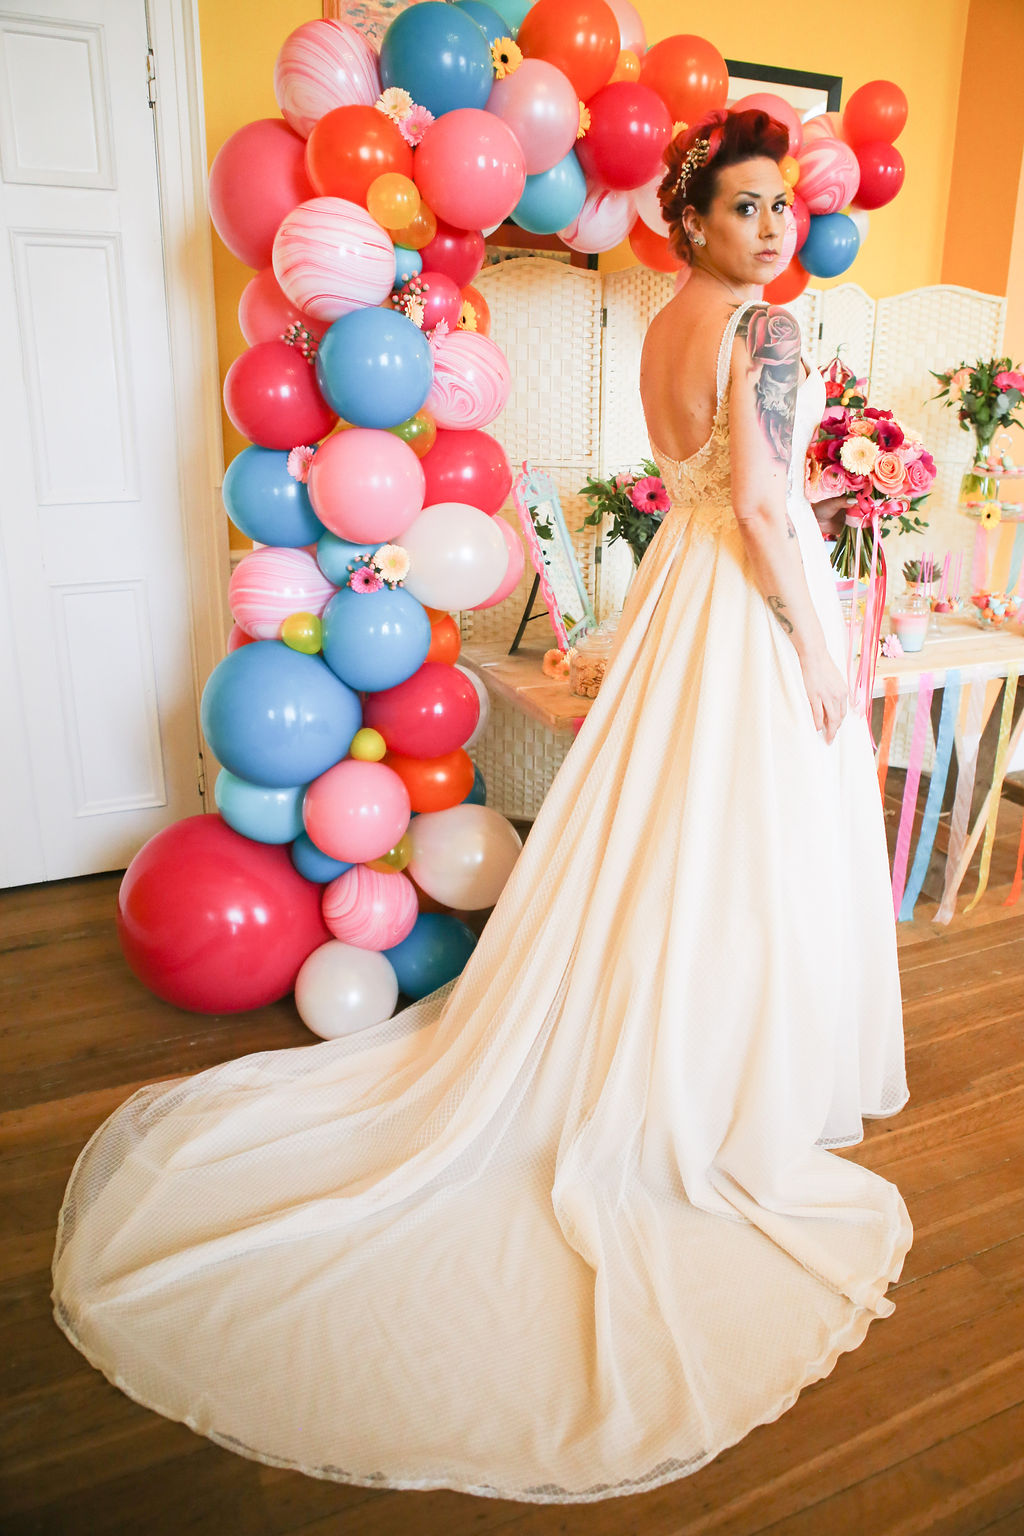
x,y
481,310
393,200
627,66
789,284
434,783
580,37
422,229
789,168
445,641
652,249
688,73
350,147
433,614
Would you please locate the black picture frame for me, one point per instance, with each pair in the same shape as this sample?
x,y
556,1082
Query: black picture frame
x,y
774,74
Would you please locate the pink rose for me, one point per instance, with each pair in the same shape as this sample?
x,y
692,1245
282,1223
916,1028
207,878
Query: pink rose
x,y
1010,379
834,480
858,427
887,473
918,478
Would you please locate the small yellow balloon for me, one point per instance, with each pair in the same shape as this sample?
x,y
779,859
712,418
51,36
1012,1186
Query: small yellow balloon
x,y
393,200
303,632
627,66
368,745
396,858
789,166
418,232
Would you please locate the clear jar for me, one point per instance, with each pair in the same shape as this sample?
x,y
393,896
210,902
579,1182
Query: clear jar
x,y
910,616
589,660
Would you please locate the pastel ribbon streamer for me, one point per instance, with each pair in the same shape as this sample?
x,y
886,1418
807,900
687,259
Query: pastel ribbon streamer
x,y
978,697
979,560
1005,724
917,745
936,789
892,699
1016,559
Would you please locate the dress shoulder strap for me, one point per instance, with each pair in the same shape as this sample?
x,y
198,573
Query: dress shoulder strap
x,y
725,350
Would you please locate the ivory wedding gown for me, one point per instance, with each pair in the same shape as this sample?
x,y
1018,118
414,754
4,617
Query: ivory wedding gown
x,y
567,1227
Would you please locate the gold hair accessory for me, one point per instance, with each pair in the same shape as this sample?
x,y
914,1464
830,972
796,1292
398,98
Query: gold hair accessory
x,y
699,154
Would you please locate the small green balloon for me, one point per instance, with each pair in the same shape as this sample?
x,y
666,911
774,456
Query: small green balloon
x,y
420,432
303,632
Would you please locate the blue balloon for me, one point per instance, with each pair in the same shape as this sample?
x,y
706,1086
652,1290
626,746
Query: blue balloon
x,y
831,245
407,264
434,952
512,13
267,503
373,365
275,717
478,794
485,16
334,556
375,640
313,864
552,199
265,815
439,55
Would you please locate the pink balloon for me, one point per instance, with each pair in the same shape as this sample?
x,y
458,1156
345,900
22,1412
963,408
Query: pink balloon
x,y
827,125
356,811
777,107
370,908
788,248
516,566
323,65
631,29
257,176
539,103
604,221
269,584
330,257
238,637
829,175
648,204
265,313
442,299
366,485
470,168
802,219
471,381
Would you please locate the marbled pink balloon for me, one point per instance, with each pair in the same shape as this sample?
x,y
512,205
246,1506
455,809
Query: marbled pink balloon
x,y
323,65
829,175
330,257
370,908
827,125
269,584
603,222
471,381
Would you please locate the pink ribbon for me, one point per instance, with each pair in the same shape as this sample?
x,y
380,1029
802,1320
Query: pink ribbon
x,y
921,732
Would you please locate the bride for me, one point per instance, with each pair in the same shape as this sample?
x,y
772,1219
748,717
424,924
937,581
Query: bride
x,y
569,1226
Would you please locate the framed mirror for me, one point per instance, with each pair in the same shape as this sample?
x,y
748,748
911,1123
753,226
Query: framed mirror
x,y
809,94
549,542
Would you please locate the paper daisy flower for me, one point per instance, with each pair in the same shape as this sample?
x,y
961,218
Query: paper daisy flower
x,y
649,495
505,56
414,124
467,316
298,463
858,455
365,579
392,562
395,103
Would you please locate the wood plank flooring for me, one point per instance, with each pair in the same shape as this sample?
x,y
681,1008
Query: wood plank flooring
x,y
919,1430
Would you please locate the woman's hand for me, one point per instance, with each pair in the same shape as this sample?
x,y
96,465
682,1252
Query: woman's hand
x,y
826,692
831,513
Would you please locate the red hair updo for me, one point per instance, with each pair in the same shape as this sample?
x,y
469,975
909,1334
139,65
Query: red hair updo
x,y
732,137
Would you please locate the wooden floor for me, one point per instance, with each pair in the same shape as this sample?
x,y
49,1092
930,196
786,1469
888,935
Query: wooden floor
x,y
919,1430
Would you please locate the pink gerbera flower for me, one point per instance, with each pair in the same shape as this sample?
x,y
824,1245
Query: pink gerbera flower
x,y
415,123
649,495
298,463
364,579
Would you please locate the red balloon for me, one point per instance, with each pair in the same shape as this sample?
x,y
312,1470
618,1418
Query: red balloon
x,y
580,37
432,712
881,174
237,637
257,176
653,249
777,107
458,253
213,922
467,466
434,783
877,111
689,74
271,396
802,216
789,284
265,313
442,299
629,129
350,147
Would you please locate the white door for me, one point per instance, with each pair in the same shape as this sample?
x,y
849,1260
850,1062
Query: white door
x,y
98,722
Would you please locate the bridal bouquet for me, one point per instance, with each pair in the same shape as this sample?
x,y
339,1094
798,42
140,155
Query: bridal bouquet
x,y
882,466
636,504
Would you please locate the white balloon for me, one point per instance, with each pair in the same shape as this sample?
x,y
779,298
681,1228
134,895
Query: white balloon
x,y
485,704
603,222
862,221
463,856
342,989
631,28
457,556
648,206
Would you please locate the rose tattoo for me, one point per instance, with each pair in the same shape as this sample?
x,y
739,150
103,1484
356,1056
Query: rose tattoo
x,y
773,344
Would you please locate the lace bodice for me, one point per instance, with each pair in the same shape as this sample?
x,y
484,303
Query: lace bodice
x,y
699,487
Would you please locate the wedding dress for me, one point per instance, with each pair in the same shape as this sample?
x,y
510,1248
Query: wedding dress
x,y
569,1226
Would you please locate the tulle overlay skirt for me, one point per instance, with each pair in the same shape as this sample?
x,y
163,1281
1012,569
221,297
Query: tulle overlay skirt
x,y
570,1225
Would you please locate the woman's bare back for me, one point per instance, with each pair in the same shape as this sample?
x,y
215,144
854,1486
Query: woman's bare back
x,y
678,370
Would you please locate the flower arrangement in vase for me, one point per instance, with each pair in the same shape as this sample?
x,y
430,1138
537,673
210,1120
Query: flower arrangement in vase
x,y
985,396
635,502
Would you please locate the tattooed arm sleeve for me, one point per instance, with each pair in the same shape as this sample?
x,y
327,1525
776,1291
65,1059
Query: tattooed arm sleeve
x,y
773,346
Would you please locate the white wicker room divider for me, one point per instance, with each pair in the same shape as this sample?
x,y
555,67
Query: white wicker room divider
x,y
573,339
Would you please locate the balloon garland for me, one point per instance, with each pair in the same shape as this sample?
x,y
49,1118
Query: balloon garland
x,y
352,828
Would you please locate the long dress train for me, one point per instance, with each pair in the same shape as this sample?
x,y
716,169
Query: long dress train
x,y
569,1226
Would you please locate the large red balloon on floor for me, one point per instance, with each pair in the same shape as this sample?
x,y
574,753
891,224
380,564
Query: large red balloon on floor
x,y
467,466
579,37
213,922
258,175
271,396
689,74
